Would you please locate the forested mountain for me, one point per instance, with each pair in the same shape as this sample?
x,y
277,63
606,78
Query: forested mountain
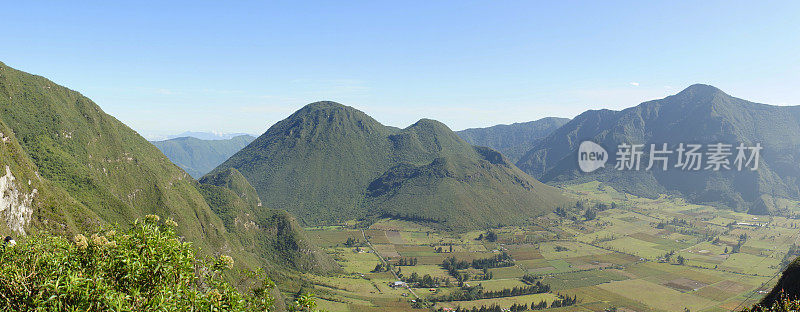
x,y
515,139
328,162
700,114
197,156
70,167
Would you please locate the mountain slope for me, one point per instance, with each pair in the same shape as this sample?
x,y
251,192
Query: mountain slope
x,y
324,162
77,169
104,165
699,114
515,139
205,135
270,233
788,285
197,157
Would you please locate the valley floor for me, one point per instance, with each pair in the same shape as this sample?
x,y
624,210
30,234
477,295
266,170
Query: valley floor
x,y
643,255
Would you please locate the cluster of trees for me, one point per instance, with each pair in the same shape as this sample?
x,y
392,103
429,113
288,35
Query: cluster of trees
x,y
667,258
529,279
516,307
583,208
491,308
352,242
406,262
477,292
453,264
560,248
441,250
380,267
735,248
564,301
675,222
490,236
498,261
739,243
487,275
426,281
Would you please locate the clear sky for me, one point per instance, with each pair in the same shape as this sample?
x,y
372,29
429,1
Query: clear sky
x,y
165,67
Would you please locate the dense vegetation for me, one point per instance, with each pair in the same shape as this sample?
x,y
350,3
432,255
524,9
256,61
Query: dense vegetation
x,y
426,281
700,114
101,171
71,168
469,293
198,157
146,268
330,163
515,139
498,261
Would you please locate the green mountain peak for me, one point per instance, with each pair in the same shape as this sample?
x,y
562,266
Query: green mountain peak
x,y
325,163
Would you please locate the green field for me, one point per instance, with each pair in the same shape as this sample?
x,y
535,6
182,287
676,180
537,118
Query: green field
x,y
627,257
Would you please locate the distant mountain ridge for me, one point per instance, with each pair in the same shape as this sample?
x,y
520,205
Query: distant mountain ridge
x,y
330,163
198,157
699,114
515,139
202,135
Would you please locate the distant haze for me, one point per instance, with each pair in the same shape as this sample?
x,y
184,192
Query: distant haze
x,y
243,66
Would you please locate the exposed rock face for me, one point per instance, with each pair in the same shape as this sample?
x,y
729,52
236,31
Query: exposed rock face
x,y
15,205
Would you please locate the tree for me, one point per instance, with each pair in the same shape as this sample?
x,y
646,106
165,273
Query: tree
x,y
491,236
590,214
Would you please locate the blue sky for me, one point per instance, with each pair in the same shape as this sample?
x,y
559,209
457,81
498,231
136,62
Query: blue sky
x,y
170,66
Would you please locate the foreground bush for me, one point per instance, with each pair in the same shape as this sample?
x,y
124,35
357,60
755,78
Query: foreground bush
x,y
782,303
145,269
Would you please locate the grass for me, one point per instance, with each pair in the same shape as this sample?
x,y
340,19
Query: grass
x,y
657,296
503,302
621,272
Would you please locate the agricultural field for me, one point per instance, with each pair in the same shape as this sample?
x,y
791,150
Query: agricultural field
x,y
628,253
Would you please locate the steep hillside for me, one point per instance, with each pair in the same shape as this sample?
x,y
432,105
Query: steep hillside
x,y
513,140
197,157
326,162
69,167
101,163
271,234
29,201
788,286
700,114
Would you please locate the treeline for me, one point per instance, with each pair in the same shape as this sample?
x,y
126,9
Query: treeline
x,y
406,262
529,279
477,293
352,242
490,236
441,250
380,267
453,265
411,218
426,281
584,209
498,261
563,301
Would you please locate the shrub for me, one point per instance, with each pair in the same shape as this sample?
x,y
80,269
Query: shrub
x,y
147,268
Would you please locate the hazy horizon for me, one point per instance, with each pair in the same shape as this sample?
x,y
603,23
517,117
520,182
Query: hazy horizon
x,y
245,66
